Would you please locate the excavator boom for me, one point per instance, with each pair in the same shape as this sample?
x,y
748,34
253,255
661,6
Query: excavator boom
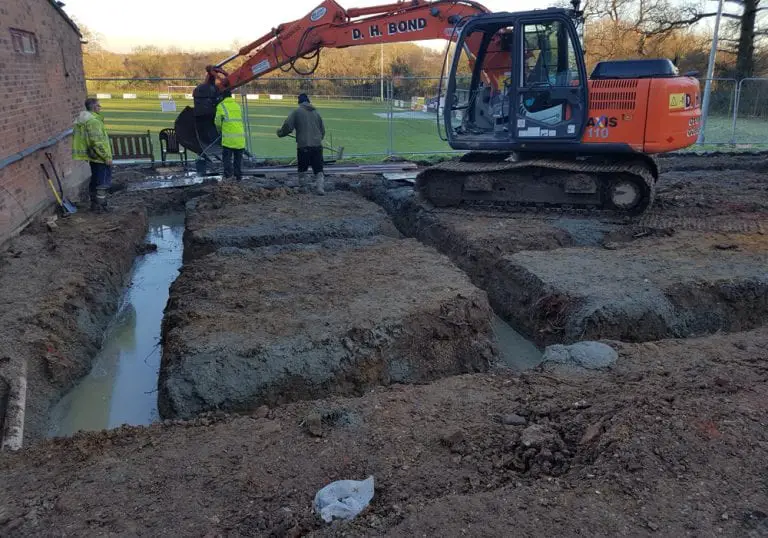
x,y
331,26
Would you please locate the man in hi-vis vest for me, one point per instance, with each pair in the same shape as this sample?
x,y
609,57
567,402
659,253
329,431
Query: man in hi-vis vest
x,y
91,143
229,123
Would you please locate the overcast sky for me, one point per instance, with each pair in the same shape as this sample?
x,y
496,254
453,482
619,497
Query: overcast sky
x,y
200,25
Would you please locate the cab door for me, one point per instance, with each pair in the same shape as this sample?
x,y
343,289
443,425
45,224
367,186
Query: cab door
x,y
549,101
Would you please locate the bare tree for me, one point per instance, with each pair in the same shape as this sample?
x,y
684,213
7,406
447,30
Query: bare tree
x,y
742,29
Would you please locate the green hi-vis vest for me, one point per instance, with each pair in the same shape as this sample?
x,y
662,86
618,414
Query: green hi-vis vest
x,y
229,122
90,141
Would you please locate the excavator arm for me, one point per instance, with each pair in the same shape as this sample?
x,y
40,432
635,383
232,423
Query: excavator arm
x,y
327,26
331,26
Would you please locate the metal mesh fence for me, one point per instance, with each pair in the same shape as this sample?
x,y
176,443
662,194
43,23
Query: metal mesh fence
x,y
417,108
375,116
751,119
354,111
722,101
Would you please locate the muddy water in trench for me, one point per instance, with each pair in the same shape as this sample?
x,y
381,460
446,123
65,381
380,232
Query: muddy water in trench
x,y
515,350
122,385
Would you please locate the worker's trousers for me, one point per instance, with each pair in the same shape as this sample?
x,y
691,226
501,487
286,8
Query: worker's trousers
x,y
311,156
229,155
101,181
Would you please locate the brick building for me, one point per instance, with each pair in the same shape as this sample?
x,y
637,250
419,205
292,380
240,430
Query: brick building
x,y
43,89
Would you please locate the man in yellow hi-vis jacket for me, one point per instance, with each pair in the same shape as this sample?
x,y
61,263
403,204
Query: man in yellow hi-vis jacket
x,y
229,123
91,143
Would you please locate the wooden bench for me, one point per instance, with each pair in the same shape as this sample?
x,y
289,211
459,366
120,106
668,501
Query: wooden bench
x,y
132,147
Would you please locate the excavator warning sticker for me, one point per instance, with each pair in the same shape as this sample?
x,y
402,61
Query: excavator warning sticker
x,y
677,101
260,67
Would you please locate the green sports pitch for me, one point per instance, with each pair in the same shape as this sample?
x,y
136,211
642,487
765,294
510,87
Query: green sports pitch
x,y
360,127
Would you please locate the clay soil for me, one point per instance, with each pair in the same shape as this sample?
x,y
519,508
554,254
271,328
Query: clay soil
x,y
670,441
59,288
275,324
652,288
694,264
237,216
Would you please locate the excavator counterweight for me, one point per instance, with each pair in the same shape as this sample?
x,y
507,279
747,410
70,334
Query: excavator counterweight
x,y
516,97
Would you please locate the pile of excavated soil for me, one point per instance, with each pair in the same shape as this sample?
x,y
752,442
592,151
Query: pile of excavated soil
x,y
672,440
231,217
248,327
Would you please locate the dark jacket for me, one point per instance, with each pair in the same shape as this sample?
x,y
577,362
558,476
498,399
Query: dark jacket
x,y
308,124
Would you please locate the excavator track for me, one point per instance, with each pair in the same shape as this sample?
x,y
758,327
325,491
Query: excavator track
x,y
541,185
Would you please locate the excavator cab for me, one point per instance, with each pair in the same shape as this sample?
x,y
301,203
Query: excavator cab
x,y
517,81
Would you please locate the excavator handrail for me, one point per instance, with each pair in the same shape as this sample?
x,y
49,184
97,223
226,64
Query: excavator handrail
x,y
440,84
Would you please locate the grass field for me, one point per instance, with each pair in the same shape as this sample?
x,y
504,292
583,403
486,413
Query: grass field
x,y
361,127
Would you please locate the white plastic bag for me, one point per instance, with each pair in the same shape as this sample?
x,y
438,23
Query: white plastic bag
x,y
344,499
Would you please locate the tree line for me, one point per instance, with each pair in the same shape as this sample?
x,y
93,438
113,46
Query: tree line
x,y
613,29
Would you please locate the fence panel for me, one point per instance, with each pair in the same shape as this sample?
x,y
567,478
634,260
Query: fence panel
x,y
374,116
722,103
752,112
353,112
416,110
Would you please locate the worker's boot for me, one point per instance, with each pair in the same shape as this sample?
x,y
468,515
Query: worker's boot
x,y
94,199
101,200
303,179
320,183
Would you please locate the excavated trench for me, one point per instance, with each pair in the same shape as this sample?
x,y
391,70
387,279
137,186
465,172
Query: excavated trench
x,y
562,280
407,334
268,277
121,387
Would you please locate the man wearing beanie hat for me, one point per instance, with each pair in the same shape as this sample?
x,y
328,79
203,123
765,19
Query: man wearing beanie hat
x,y
310,132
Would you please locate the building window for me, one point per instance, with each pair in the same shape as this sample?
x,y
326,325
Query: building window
x,y
24,42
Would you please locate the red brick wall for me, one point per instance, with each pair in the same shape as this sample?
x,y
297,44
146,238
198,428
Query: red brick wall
x,y
40,95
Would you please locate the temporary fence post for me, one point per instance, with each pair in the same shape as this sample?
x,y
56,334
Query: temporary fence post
x,y
391,114
246,121
736,99
710,73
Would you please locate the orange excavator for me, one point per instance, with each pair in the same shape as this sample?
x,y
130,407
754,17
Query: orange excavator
x,y
515,96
